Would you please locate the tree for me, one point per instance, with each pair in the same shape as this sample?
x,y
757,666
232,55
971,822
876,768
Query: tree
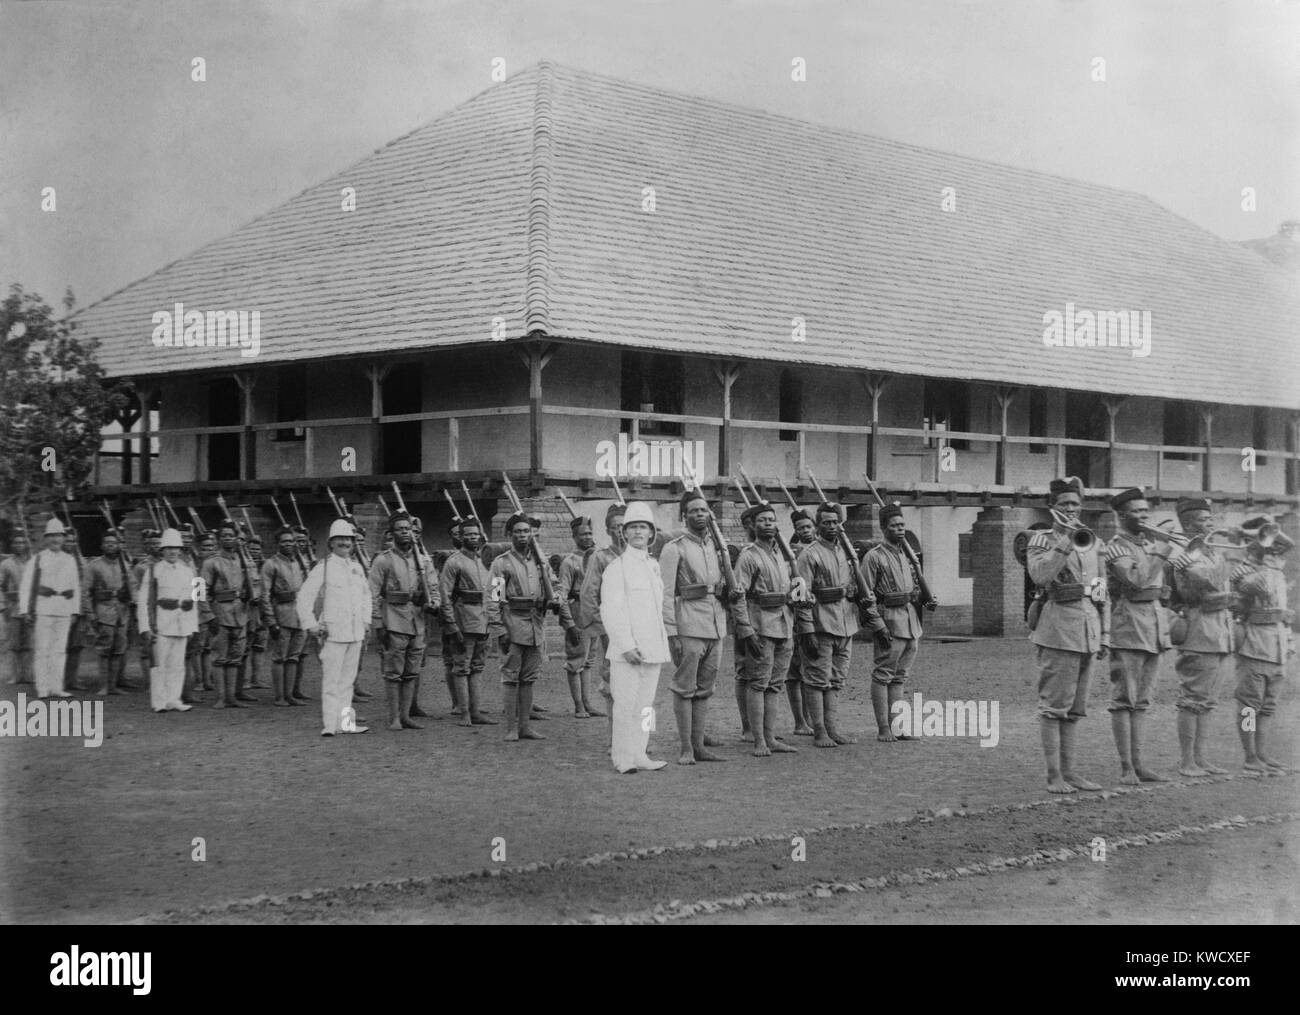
x,y
56,402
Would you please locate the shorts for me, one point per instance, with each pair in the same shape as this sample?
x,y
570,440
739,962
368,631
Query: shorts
x,y
467,662
583,656
1132,679
1063,680
829,668
795,673
697,672
259,637
110,639
229,646
892,664
765,670
1258,684
290,646
401,655
1199,677
521,665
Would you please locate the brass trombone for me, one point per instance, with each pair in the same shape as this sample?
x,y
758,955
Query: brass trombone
x,y
1082,536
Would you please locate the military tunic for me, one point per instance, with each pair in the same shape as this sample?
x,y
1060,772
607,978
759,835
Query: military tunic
x,y
1139,628
1204,584
1267,638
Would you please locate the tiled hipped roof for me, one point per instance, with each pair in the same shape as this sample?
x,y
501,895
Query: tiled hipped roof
x,y
526,203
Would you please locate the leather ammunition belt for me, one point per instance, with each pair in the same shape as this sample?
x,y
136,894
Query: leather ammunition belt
x,y
469,598
894,598
700,591
1269,617
767,600
397,598
1069,593
176,604
830,595
522,604
1216,601
225,596
284,597
1142,595
45,590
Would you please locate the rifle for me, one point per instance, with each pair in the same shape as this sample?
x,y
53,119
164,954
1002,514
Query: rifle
x,y
297,554
617,492
153,516
176,519
455,511
865,599
199,528
22,524
550,588
798,587
421,554
724,558
108,516
384,504
472,513
926,596
572,513
311,551
245,562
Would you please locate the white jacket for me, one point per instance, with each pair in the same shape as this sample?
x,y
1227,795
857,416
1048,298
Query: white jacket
x,y
161,580
631,606
346,601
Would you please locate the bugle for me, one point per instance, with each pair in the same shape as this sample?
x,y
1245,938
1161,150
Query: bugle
x,y
1082,536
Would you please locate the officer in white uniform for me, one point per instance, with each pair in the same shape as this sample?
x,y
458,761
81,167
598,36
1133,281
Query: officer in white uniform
x,y
50,596
166,615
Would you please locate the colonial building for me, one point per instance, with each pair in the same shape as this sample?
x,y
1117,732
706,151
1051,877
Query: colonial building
x,y
568,259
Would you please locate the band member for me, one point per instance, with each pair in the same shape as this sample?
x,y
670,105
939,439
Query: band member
x,y
18,633
588,615
516,617
228,598
258,633
579,658
152,539
167,618
462,585
764,628
1204,585
335,604
282,577
107,593
78,631
895,584
631,598
696,622
805,532
1135,565
1266,643
826,626
400,603
48,598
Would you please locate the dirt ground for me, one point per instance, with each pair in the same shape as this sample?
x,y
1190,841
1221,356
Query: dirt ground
x,y
107,834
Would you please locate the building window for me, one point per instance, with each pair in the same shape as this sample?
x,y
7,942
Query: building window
x,y
1182,428
1037,419
791,404
947,407
1259,435
963,556
653,383
291,400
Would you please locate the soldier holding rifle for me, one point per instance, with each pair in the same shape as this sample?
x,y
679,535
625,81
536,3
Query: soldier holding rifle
x,y
401,599
11,579
107,594
579,658
463,584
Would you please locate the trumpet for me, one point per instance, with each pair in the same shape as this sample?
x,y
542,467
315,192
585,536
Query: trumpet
x,y
1156,532
1082,536
1270,538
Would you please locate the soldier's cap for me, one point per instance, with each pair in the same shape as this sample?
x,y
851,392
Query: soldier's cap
x,y
149,533
187,528
467,523
398,516
208,537
890,510
1186,504
799,515
750,514
1070,484
688,497
581,522
1124,496
1256,522
285,530
517,519
114,533
829,507
255,538
416,524
614,511
223,526
300,530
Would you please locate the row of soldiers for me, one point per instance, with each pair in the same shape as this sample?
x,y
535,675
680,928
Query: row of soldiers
x,y
1094,601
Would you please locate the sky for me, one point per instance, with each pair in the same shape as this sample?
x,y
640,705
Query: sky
x,y
1200,99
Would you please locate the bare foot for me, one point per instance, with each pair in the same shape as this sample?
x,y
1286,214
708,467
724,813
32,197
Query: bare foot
x,y
1079,782
408,725
761,751
779,747
1129,778
465,720
823,741
482,720
581,713
711,741
531,735
702,754
512,736
595,712
885,736
219,704
1059,785
396,727
1146,775
1211,768
802,730
686,758
841,738
1192,771
747,736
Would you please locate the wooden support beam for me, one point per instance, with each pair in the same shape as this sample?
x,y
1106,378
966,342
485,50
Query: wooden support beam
x,y
376,372
536,355
875,385
1112,404
247,381
1207,423
1005,396
726,373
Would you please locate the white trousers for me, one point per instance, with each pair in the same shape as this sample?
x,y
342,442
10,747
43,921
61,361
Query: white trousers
x,y
633,687
339,661
51,654
167,676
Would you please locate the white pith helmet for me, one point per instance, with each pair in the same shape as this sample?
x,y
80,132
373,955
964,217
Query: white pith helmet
x,y
342,527
171,537
640,512
54,527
